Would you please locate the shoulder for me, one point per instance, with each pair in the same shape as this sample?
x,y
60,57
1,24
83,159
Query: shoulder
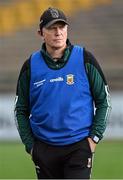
x,y
25,67
77,49
89,57
35,54
92,66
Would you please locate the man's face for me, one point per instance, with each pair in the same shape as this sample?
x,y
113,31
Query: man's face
x,y
55,36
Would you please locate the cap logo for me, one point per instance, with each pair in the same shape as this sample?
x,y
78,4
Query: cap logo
x,y
54,13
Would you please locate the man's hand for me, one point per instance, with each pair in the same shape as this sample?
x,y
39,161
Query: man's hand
x,y
92,145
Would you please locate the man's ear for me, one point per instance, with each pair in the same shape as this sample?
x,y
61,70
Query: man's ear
x,y
39,32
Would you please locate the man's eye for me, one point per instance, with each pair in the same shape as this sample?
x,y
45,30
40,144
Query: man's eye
x,y
51,28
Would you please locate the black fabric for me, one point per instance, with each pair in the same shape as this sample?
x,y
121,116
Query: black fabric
x,y
67,162
89,58
25,68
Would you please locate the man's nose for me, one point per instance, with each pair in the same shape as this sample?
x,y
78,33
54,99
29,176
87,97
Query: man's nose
x,y
58,31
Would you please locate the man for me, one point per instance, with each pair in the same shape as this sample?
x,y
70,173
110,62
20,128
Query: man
x,y
62,103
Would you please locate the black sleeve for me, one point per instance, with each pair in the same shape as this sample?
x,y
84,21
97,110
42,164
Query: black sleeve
x,y
22,110
100,93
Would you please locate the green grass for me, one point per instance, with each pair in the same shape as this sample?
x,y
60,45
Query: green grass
x,y
16,164
108,161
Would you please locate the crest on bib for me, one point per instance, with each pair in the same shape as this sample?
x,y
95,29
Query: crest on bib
x,y
70,79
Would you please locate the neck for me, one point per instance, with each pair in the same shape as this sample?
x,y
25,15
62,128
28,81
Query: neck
x,y
55,52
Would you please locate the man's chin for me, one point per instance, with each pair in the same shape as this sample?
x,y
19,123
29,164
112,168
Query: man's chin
x,y
57,46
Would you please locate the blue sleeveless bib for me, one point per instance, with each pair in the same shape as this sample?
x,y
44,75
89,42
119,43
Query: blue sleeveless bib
x,y
61,104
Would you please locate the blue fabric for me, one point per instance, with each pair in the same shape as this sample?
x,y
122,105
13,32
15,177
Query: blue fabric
x,y
61,104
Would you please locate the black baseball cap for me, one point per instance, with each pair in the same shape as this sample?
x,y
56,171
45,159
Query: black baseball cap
x,y
51,16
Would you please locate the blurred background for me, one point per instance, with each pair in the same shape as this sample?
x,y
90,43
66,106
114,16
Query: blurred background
x,y
95,24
